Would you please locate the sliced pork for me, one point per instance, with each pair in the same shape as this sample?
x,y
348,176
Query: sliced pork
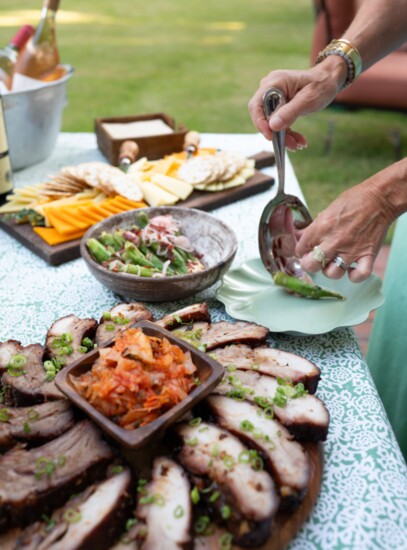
x,y
35,425
287,458
91,519
214,335
65,337
168,518
306,417
271,361
25,383
34,482
248,490
187,315
118,319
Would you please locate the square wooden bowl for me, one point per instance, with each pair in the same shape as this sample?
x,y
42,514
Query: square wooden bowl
x,y
209,372
152,147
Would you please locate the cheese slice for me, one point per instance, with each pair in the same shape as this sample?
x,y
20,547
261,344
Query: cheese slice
x,y
177,187
51,236
157,196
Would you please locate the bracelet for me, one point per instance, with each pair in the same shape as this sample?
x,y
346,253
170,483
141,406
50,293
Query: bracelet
x,y
349,54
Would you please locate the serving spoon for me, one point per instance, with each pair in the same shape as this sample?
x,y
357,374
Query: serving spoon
x,y
284,215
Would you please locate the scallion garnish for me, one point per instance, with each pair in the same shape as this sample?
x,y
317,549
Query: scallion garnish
x,y
225,541
214,497
228,461
32,415
26,428
179,512
195,421
192,442
195,496
72,516
202,524
226,511
4,415
246,425
109,327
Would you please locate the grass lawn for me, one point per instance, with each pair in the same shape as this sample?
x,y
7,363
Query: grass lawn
x,y
200,62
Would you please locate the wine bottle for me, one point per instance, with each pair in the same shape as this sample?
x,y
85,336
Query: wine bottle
x,y
40,57
6,178
9,54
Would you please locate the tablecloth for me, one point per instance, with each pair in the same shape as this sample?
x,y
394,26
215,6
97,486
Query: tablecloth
x,y
363,501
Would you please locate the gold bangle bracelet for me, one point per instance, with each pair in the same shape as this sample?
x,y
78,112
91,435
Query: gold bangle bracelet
x,y
349,54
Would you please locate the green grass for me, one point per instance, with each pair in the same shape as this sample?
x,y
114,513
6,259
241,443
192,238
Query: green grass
x,y
200,62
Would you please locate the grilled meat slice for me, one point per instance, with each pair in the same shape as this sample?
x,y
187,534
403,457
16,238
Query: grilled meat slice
x,y
287,459
91,519
35,425
306,417
243,485
211,336
34,482
168,522
187,315
25,385
65,336
118,319
271,361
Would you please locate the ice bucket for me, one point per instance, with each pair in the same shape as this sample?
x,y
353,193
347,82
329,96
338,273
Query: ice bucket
x,y
33,121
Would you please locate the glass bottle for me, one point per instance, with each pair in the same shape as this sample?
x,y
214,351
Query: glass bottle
x,y
6,177
40,57
9,54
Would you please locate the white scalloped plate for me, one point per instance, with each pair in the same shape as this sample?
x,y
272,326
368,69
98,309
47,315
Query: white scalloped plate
x,y
249,294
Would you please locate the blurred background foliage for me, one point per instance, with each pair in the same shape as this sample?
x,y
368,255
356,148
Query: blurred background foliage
x,y
201,62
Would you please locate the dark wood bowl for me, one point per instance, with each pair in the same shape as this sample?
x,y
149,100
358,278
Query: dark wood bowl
x,y
209,372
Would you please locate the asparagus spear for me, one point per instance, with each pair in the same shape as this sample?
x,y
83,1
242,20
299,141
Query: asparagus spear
x,y
304,289
139,270
134,255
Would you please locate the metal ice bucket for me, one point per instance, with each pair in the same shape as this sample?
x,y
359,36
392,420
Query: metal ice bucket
x,y
33,121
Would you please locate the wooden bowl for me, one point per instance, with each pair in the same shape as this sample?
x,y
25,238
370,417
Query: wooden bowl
x,y
209,372
208,235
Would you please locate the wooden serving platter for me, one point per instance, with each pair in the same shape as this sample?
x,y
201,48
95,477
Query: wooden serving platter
x,y
202,200
285,526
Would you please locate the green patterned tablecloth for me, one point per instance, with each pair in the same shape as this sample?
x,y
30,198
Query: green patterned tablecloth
x,y
363,502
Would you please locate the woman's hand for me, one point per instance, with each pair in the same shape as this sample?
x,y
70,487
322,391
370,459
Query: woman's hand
x,y
353,227
305,91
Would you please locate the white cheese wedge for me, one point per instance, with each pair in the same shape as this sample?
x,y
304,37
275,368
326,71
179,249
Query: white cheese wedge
x,y
156,196
177,187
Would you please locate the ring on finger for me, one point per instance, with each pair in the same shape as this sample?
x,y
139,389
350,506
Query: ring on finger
x,y
319,255
340,262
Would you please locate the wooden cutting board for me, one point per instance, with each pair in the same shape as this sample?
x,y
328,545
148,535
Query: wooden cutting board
x,y
202,200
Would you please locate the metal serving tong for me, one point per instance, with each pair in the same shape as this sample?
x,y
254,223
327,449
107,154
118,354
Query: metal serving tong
x,y
283,215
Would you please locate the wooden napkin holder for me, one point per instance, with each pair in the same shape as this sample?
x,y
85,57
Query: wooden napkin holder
x,y
152,147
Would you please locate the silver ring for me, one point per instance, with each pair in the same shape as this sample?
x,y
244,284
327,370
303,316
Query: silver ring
x,y
340,262
319,255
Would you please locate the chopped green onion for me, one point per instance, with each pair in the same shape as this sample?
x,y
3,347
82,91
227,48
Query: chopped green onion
x,y
226,541
17,361
72,516
201,524
4,415
203,429
179,512
195,421
83,349
195,496
231,368
269,412
215,450
131,522
257,433
208,489
50,523
107,315
87,343
26,428
120,320
109,327
244,457
228,461
226,511
61,460
192,442
197,382
214,497
117,469
246,425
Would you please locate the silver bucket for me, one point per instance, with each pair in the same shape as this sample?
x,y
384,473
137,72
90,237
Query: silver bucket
x,y
33,121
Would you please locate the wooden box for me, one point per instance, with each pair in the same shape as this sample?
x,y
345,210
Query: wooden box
x,y
152,147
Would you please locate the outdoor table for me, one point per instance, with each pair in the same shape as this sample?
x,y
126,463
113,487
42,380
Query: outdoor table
x,y
363,500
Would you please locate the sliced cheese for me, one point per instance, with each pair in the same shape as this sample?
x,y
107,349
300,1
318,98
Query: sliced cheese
x,y
157,196
51,236
177,187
